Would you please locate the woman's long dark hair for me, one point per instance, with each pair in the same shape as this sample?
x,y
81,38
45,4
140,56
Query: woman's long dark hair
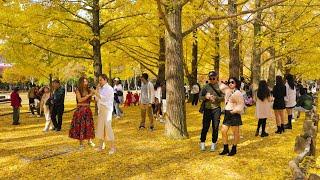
x,y
158,84
290,81
279,81
263,90
81,87
236,80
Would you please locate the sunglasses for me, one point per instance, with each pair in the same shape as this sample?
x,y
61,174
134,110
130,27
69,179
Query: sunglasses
x,y
232,82
212,79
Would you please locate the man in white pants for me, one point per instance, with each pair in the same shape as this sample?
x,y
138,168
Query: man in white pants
x,y
105,98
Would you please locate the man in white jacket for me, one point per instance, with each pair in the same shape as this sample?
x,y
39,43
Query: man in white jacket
x,y
105,98
146,101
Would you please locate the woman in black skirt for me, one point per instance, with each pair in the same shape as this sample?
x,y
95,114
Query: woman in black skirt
x,y
234,108
279,93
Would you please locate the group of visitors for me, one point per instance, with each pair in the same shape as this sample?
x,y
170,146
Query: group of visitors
x,y
285,95
131,99
41,100
281,97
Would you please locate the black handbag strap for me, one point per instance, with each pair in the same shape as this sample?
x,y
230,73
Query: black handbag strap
x,y
217,92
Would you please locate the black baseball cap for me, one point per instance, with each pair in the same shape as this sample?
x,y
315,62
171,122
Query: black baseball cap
x,y
212,73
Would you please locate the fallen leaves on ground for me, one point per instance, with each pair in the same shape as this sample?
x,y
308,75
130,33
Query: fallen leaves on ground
x,y
28,153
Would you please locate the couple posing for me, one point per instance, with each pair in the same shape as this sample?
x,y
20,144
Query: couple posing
x,y
212,95
82,125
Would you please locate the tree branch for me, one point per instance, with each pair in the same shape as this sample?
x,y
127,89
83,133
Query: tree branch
x,y
58,53
76,15
138,60
184,2
117,18
214,18
165,20
106,3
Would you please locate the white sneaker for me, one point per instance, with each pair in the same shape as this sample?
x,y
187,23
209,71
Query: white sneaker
x,y
112,151
118,117
213,147
38,116
90,143
99,149
202,146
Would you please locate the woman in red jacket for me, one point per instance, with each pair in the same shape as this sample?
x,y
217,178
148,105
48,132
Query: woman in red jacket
x,y
16,104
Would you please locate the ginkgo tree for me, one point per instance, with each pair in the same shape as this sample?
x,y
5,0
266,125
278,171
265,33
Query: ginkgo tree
x,y
75,29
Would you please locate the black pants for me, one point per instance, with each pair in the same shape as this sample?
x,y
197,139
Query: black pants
x,y
208,116
16,115
32,105
57,111
195,99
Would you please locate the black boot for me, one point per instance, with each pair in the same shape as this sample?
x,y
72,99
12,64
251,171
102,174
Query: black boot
x,y
282,128
258,128
233,150
264,123
225,150
289,125
279,130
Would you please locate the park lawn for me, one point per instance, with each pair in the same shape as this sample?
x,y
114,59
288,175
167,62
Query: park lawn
x,y
28,153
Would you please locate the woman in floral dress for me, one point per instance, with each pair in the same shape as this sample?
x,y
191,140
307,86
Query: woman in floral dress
x,y
82,126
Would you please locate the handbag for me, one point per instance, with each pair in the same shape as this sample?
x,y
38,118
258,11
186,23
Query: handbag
x,y
203,104
49,102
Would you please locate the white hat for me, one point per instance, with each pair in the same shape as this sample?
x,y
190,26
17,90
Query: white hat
x,y
116,79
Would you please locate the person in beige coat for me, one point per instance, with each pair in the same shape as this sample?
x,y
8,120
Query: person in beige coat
x,y
105,97
263,107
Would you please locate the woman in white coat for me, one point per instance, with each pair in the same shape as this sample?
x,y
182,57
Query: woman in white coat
x,y
290,99
105,97
46,108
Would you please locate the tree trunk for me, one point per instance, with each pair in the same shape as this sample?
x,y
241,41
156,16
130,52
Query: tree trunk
x,y
241,56
241,63
280,66
95,42
272,68
194,62
216,57
256,56
175,126
234,52
162,54
50,83
110,73
288,66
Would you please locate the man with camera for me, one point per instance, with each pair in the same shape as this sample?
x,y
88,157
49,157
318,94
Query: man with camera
x,y
211,97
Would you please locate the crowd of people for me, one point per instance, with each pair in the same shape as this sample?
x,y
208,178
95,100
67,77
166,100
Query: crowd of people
x,y
286,95
225,97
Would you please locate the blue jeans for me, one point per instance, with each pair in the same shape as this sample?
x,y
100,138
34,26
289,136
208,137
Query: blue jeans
x,y
118,111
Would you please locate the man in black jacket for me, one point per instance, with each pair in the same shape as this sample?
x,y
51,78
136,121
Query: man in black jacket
x,y
58,105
